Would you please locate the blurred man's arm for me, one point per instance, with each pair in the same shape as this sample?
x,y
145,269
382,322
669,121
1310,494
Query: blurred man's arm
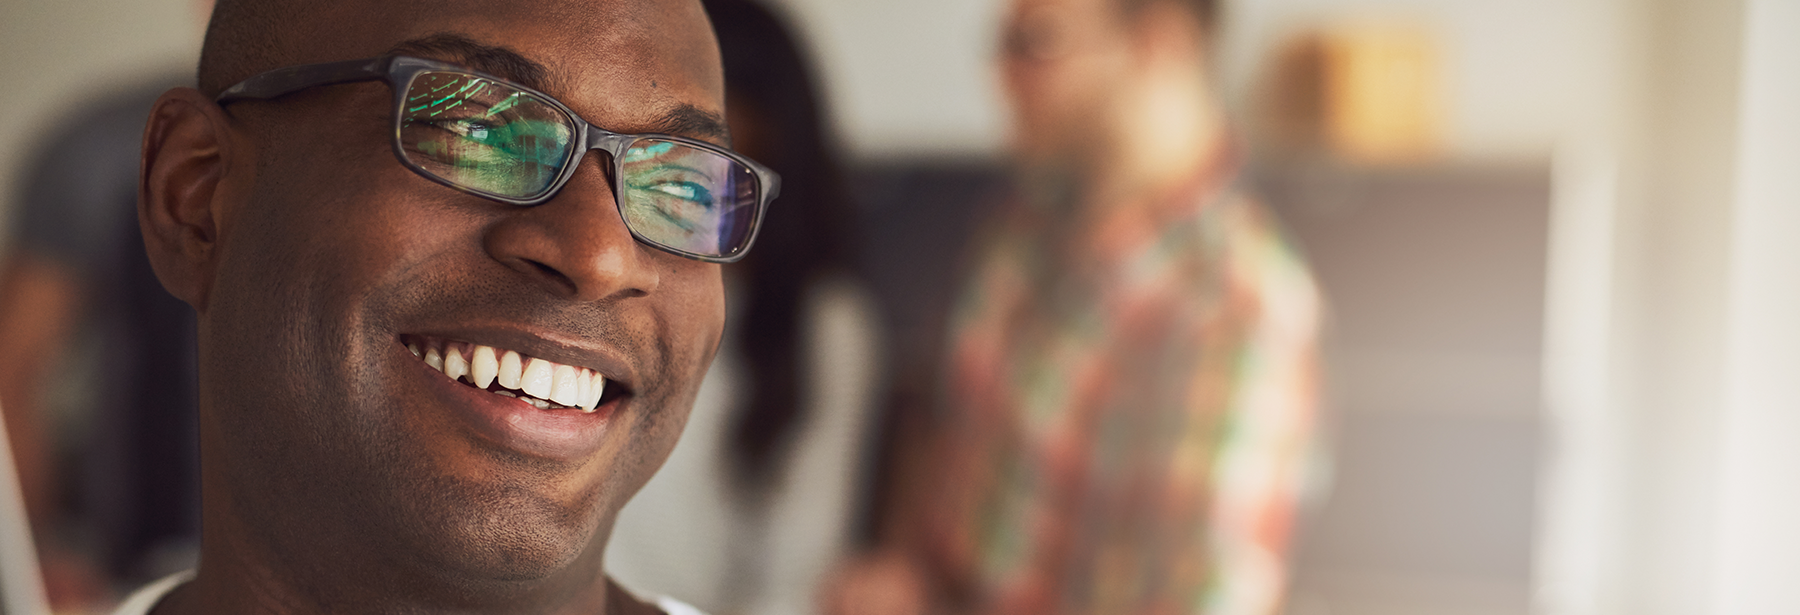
x,y
888,577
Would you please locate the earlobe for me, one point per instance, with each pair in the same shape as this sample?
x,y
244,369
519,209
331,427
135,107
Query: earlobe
x,y
187,151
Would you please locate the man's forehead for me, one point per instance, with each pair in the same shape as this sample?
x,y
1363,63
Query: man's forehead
x,y
610,60
679,117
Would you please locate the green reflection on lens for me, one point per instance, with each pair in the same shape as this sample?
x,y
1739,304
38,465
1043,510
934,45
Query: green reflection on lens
x,y
680,196
484,135
641,153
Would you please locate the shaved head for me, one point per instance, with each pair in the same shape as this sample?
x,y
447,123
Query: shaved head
x,y
245,37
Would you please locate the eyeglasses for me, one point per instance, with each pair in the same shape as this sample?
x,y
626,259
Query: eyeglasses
x,y
496,139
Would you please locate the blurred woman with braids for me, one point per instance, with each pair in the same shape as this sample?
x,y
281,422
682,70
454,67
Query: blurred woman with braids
x,y
757,500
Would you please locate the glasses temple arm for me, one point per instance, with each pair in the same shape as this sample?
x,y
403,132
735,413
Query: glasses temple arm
x,y
281,82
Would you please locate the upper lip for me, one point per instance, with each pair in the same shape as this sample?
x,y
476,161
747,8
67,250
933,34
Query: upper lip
x,y
547,346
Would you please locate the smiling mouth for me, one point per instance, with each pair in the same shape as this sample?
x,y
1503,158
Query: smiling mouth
x,y
543,384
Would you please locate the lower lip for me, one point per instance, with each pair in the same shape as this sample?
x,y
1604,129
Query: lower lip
x,y
562,434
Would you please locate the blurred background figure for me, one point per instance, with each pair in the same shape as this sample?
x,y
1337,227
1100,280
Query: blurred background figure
x,y
96,360
1130,386
760,495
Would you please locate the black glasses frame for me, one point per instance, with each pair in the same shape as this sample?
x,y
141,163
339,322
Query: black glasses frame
x,y
400,70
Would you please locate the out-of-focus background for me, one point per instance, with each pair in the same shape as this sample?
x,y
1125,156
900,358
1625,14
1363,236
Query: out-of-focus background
x,y
1557,238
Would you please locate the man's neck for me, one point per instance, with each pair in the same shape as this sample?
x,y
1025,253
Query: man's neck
x,y
207,595
1168,130
240,574
1162,158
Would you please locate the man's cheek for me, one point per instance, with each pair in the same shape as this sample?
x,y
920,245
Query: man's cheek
x,y
695,303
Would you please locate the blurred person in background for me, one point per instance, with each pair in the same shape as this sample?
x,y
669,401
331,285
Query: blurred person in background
x,y
96,362
1130,387
757,500
96,359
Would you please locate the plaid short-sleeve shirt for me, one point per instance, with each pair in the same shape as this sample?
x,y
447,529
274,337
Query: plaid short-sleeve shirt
x,y
1130,411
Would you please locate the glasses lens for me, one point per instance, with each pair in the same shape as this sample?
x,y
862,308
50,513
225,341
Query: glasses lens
x,y
484,135
687,198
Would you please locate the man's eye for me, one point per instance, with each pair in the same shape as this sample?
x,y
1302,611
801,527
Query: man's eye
x,y
472,129
686,191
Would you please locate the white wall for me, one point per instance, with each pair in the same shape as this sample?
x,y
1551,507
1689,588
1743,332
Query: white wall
x,y
908,77
914,76
1672,486
1634,470
1519,74
1759,503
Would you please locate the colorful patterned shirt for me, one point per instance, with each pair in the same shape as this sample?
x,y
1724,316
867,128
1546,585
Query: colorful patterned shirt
x,y
1130,404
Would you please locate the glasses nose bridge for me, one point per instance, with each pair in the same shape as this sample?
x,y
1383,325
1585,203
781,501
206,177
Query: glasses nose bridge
x,y
592,138
604,140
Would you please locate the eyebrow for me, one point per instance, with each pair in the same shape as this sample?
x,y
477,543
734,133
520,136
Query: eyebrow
x,y
689,120
491,59
685,120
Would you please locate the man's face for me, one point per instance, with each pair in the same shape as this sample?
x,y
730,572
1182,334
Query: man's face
x,y
1062,62
327,431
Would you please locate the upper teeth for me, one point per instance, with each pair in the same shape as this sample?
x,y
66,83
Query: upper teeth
x,y
575,387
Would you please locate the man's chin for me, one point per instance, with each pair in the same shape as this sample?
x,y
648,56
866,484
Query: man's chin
x,y
497,538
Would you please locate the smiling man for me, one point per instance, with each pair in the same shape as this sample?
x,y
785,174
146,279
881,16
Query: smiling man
x,y
455,265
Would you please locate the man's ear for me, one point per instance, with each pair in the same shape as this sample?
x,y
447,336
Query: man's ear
x,y
187,152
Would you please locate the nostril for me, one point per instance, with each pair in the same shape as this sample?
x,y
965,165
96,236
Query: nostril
x,y
554,274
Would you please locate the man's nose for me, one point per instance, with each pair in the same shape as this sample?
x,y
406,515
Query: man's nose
x,y
577,245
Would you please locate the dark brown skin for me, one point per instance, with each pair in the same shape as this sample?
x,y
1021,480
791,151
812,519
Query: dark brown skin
x,y
333,482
